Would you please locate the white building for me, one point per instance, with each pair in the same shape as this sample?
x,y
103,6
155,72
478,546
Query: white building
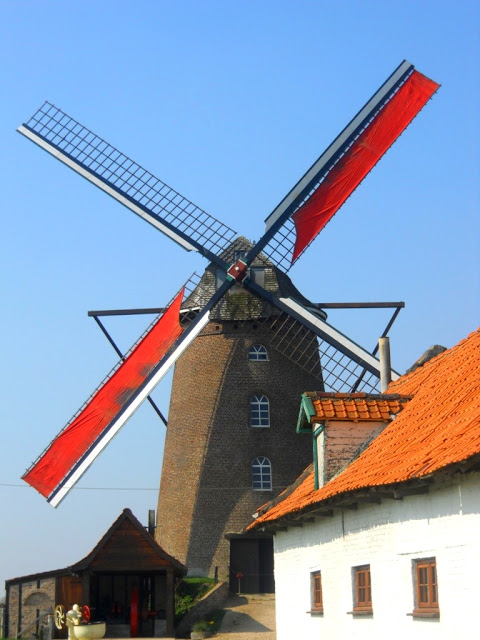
x,y
388,545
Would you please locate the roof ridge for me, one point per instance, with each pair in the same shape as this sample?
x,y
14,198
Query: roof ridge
x,y
435,361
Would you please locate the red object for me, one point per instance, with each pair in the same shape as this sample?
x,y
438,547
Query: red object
x,y
360,158
238,271
134,613
104,407
85,613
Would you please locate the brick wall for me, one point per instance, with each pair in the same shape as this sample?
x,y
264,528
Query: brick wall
x,y
339,442
206,486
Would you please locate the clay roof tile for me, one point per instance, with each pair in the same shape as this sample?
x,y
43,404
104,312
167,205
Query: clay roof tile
x,y
440,426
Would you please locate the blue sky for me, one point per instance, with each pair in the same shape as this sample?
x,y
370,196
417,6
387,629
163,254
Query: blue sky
x,y
229,103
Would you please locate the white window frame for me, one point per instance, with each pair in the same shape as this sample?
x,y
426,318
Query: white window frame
x,y
255,351
259,411
261,474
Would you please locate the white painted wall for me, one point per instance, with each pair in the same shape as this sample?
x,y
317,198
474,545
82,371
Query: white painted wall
x,y
444,523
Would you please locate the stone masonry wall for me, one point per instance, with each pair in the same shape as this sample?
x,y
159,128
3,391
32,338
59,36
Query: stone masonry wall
x,y
35,597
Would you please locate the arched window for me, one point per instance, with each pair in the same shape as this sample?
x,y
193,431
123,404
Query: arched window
x,y
261,474
259,411
257,352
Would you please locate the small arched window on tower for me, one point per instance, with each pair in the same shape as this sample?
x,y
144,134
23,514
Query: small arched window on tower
x,y
260,411
257,352
261,474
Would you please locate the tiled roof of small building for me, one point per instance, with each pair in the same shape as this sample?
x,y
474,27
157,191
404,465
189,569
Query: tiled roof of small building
x,y
438,427
355,406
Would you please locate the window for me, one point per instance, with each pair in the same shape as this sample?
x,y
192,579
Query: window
x,y
257,352
426,588
239,254
261,474
316,592
257,275
260,411
220,277
363,590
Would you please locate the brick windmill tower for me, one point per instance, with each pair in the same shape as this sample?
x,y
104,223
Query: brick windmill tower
x,y
245,342
234,400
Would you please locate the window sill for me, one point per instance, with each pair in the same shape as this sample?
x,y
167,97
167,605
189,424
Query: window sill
x,y
315,612
361,612
425,613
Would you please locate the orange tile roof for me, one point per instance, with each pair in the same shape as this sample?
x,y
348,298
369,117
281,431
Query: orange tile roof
x,y
440,426
355,406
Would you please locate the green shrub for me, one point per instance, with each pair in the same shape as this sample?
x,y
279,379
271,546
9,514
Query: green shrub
x,y
188,593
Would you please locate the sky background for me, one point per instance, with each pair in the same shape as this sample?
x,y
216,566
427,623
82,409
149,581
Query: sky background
x,y
229,103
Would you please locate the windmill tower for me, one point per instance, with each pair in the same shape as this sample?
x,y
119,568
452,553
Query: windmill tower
x,y
243,305
233,403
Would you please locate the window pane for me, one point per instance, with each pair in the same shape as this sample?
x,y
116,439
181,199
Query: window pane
x,y
317,599
220,277
257,275
259,411
363,593
257,352
262,474
427,591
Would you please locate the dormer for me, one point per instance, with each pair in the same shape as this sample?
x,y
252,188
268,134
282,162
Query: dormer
x,y
342,424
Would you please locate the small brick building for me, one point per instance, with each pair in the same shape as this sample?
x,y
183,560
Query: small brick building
x,y
126,566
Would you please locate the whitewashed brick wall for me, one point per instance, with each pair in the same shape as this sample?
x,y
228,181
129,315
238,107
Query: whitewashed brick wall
x,y
445,523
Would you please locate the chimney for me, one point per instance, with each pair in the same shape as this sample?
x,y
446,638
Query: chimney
x,y
151,522
385,365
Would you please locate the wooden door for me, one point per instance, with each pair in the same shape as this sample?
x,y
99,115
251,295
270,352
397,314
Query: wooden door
x,y
69,591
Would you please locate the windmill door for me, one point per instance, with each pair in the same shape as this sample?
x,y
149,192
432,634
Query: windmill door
x,y
251,565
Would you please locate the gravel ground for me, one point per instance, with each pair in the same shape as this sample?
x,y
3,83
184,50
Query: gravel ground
x,y
250,617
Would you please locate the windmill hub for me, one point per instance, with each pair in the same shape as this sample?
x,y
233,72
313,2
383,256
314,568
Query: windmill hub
x,y
238,271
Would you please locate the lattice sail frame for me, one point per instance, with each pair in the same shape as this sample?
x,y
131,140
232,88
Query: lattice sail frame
x,y
336,371
100,162
322,191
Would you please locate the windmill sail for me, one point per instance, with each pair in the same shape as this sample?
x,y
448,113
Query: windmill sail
x,y
361,157
303,213
66,459
126,181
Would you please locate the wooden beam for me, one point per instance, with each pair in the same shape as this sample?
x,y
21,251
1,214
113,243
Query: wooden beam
x,y
348,506
372,499
322,513
403,492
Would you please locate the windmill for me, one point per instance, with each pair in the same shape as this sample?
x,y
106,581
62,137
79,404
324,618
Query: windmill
x,y
245,289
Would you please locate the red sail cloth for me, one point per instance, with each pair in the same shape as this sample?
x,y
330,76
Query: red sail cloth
x,y
103,408
360,158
